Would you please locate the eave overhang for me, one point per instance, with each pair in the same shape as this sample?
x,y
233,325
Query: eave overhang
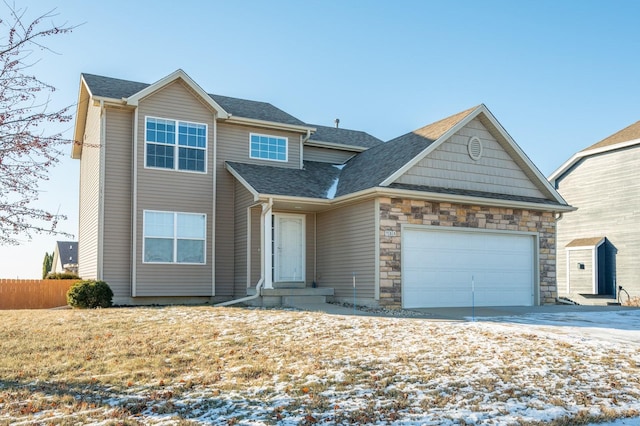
x,y
588,153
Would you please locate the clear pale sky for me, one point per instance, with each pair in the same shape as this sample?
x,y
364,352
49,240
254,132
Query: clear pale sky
x,y
558,75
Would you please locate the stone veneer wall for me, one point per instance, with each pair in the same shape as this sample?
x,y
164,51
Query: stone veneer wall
x,y
397,211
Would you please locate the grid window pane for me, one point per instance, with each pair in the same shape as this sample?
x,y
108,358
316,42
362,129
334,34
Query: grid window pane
x,y
160,156
190,251
192,134
268,147
191,226
158,224
191,159
158,250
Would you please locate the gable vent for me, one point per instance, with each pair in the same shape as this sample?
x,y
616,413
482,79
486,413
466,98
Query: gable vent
x,y
475,148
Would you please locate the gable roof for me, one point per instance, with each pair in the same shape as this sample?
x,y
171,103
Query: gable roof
x,y
67,252
337,137
115,88
626,137
314,180
629,133
374,168
586,242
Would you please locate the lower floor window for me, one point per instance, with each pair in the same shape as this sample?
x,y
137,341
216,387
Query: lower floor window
x,y
171,237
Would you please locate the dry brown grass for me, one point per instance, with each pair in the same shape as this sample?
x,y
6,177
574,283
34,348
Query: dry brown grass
x,y
634,301
230,366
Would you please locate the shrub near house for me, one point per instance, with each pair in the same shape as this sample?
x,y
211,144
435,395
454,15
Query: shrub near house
x,y
90,294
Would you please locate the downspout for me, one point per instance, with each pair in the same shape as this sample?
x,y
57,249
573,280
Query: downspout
x,y
266,209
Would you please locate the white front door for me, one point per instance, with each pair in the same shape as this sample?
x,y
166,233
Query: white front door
x,y
289,247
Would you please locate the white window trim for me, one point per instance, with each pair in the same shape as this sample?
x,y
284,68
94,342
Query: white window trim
x,y
175,238
286,148
177,146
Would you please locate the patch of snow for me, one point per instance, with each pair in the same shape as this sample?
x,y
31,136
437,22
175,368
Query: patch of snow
x,y
331,193
339,166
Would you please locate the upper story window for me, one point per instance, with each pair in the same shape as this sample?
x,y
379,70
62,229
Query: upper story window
x,y
172,237
175,145
268,147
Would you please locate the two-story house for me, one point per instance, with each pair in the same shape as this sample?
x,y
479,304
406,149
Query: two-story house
x,y
599,244
187,196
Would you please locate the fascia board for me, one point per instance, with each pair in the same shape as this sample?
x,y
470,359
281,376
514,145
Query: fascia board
x,y
231,119
178,74
582,154
79,127
341,147
532,167
466,199
244,183
420,195
402,170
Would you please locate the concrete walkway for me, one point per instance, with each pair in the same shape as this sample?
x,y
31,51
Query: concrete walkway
x,y
458,314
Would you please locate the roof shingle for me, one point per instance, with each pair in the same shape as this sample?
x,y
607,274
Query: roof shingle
x,y
116,88
629,133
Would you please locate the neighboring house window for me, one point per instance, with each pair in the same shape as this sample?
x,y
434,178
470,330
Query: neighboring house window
x,y
268,147
171,237
176,145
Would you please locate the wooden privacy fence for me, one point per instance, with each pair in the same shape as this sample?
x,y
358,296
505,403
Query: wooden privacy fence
x,y
33,294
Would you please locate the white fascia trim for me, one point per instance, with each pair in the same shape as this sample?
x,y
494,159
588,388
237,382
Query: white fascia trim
x,y
388,181
417,195
466,199
577,156
268,124
79,128
341,147
177,74
532,167
244,183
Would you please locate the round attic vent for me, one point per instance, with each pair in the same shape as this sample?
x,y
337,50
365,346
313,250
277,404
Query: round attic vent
x,y
475,148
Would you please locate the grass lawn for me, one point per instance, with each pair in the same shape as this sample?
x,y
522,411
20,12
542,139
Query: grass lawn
x,y
204,365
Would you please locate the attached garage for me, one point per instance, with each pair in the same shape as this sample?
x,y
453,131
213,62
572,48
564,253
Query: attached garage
x,y
450,267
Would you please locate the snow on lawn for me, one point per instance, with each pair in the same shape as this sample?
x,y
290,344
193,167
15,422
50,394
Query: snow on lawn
x,y
318,368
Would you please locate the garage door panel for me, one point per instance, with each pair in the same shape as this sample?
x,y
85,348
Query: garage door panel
x,y
439,266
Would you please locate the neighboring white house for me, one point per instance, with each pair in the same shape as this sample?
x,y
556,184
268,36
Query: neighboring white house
x,y
598,245
65,257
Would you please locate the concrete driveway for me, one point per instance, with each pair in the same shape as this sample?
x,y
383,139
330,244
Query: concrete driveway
x,y
468,313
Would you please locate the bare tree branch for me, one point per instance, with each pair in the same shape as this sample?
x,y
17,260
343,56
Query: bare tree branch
x,y
27,151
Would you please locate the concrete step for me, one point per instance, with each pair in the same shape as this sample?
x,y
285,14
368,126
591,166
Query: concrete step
x,y
290,284
294,301
591,300
290,296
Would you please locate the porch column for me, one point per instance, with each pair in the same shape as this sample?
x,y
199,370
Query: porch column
x,y
267,256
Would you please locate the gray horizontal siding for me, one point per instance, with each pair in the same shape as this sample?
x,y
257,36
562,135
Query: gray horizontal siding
x,y
168,190
606,190
326,155
233,145
581,280
450,166
89,197
117,201
243,199
346,245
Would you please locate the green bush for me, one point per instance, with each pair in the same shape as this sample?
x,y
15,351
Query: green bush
x,y
90,294
62,276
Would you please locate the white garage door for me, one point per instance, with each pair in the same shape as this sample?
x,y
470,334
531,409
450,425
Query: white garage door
x,y
453,268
